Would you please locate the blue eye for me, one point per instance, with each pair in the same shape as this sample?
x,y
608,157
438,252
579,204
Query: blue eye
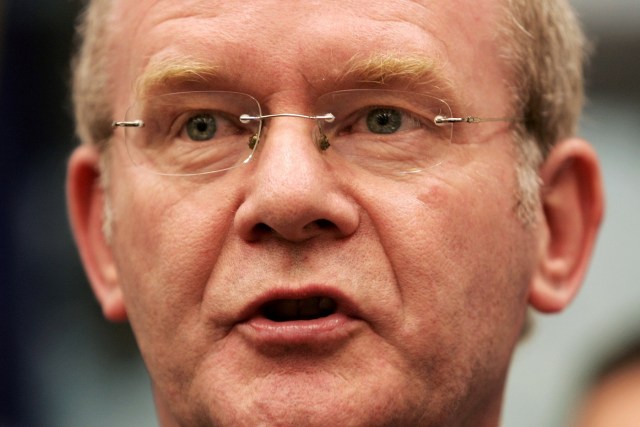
x,y
384,120
202,127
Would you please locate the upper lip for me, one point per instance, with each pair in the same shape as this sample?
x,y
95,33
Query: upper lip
x,y
342,303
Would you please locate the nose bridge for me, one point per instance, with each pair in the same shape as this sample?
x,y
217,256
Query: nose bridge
x,y
294,193
287,140
289,163
290,120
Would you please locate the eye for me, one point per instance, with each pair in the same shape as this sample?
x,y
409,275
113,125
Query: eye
x,y
201,127
384,120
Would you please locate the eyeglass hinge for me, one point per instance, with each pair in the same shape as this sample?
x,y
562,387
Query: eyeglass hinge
x,y
133,124
441,120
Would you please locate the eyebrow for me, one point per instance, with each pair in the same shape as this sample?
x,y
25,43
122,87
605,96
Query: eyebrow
x,y
409,72
176,74
406,72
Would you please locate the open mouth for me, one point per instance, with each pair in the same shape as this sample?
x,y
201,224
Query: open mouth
x,y
286,310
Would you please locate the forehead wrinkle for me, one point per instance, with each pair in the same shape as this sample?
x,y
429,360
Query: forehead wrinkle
x,y
175,74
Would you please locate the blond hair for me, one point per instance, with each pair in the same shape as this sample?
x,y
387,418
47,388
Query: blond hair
x,y
90,79
544,48
544,51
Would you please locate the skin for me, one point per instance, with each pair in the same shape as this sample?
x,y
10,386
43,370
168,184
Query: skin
x,y
614,401
432,273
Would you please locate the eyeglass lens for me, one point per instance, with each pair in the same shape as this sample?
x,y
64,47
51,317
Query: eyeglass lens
x,y
382,131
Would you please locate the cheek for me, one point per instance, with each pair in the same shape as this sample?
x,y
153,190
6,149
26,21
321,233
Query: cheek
x,y
166,241
463,260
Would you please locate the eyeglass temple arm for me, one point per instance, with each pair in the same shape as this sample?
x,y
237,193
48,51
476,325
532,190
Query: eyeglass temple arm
x,y
246,118
441,120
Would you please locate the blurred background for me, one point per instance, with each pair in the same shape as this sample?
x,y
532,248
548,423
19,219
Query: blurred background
x,y
61,364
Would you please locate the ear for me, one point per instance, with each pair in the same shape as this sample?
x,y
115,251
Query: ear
x,y
86,203
572,208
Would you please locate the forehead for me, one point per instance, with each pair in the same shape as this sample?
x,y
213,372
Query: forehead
x,y
263,47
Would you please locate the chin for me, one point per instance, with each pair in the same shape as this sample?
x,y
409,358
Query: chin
x,y
315,397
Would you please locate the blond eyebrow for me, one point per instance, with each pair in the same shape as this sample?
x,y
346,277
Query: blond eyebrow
x,y
175,74
411,71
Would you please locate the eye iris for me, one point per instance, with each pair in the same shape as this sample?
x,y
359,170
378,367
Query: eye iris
x,y
201,127
384,120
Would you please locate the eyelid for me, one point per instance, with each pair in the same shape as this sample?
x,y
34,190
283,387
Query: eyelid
x,y
178,125
223,120
361,114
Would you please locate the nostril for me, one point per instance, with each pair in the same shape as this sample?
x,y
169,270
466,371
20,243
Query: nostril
x,y
292,232
324,224
319,224
262,228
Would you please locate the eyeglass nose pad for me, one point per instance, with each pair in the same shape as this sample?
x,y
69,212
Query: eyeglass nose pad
x,y
253,140
320,138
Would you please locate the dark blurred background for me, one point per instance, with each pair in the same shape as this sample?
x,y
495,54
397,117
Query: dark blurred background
x,y
61,364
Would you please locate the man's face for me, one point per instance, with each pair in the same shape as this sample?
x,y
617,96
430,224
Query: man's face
x,y
422,279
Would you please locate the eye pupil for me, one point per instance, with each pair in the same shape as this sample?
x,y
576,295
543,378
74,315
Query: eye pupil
x,y
201,127
384,120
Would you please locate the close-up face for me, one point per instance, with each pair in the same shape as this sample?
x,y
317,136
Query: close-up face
x,y
318,285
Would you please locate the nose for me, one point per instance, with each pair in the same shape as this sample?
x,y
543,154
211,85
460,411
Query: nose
x,y
295,194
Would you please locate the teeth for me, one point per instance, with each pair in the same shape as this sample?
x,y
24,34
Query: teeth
x,y
303,309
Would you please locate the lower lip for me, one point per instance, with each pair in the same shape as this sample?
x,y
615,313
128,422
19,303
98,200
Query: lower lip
x,y
322,331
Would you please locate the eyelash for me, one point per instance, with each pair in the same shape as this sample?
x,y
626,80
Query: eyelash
x,y
179,125
407,117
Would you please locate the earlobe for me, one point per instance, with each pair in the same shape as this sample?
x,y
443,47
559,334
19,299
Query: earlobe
x,y
572,208
86,202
